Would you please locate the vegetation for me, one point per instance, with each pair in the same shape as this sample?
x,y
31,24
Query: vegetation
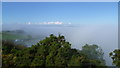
x,y
12,35
52,51
94,52
115,55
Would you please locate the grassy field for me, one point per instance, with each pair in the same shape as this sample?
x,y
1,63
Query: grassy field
x,y
20,38
11,36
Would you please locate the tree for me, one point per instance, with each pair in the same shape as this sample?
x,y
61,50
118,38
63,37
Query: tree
x,y
115,55
94,52
9,49
51,51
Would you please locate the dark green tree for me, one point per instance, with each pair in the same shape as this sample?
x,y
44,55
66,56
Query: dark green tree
x,y
115,55
51,51
94,53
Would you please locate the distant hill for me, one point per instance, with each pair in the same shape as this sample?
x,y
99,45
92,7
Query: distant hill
x,y
20,37
13,35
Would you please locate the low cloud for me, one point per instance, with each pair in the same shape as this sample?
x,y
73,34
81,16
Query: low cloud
x,y
47,23
57,22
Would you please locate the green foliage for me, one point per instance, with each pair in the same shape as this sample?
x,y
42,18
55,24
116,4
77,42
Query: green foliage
x,y
9,50
52,51
10,35
115,55
9,47
94,53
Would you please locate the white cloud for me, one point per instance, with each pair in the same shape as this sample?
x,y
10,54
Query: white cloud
x,y
57,23
29,23
48,23
69,23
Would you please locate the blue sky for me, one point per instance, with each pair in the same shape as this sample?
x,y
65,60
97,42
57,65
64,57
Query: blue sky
x,y
60,0
66,12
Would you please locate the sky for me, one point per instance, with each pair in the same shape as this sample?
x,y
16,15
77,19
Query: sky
x,y
60,12
60,0
0,17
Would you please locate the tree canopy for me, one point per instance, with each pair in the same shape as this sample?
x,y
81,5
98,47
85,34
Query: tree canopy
x,y
52,51
115,55
94,52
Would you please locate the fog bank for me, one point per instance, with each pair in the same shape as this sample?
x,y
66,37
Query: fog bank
x,y
104,35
